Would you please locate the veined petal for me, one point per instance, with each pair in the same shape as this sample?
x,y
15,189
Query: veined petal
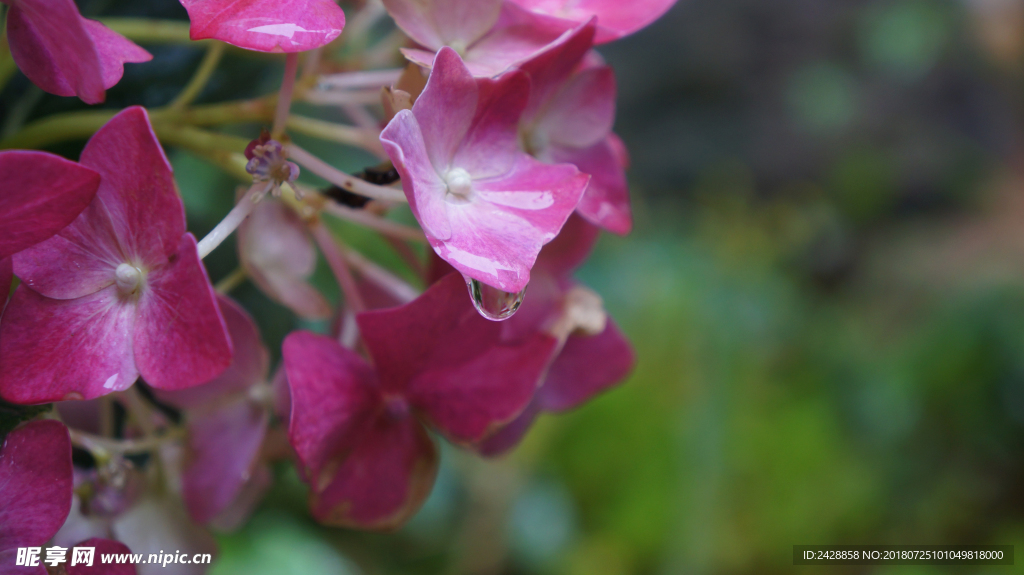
x,y
52,46
606,201
437,23
518,36
491,146
404,143
446,108
586,366
43,193
36,476
615,18
266,25
180,338
382,479
51,350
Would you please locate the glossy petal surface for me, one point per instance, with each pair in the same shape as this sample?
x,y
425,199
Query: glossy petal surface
x,y
266,25
615,17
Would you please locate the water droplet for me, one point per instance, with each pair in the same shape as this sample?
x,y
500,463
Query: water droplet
x,y
492,303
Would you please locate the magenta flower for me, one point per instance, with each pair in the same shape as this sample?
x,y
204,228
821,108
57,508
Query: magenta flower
x,y
42,194
615,18
279,257
118,293
486,206
569,119
102,547
357,429
35,498
266,25
65,54
490,35
595,354
226,429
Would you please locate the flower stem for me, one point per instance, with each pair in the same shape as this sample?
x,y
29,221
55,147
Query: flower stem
x,y
339,133
284,100
150,31
232,281
391,283
201,78
362,79
235,217
338,263
95,443
341,179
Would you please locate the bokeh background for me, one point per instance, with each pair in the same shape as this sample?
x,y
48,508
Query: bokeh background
x,y
825,289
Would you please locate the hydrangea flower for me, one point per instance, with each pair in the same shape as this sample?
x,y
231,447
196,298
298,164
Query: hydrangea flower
x,y
486,206
357,428
42,194
490,35
118,293
64,53
616,18
569,119
266,25
226,429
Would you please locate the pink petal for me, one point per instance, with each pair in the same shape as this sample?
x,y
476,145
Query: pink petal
x,y
278,255
551,67
136,217
333,395
615,18
43,193
266,25
403,141
242,507
225,445
180,338
490,147
444,22
586,366
582,112
606,201
62,349
6,277
387,473
250,363
510,435
103,547
52,46
518,36
571,247
114,51
497,236
446,108
35,475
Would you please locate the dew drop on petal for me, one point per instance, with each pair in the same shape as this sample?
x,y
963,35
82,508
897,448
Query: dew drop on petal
x,y
492,303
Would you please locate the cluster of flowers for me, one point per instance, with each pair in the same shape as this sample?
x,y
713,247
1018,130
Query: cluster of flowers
x,y
500,133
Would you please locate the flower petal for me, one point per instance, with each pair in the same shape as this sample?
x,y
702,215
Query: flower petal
x,y
52,46
438,23
35,472
157,523
102,547
586,366
615,18
571,247
581,113
403,141
43,193
225,445
446,108
606,202
490,147
518,36
266,25
552,66
6,277
279,257
250,363
52,350
509,436
180,338
114,51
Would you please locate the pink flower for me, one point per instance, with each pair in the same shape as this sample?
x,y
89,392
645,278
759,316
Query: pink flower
x,y
490,35
615,18
569,119
486,206
266,25
35,498
65,54
118,293
226,430
42,194
357,429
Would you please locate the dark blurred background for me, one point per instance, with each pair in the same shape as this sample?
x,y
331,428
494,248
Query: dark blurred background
x,y
825,289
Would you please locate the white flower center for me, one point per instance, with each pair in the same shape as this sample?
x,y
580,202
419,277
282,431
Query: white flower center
x,y
460,185
129,278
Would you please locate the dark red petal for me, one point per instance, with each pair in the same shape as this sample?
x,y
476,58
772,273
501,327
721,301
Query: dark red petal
x,y
587,366
35,484
103,547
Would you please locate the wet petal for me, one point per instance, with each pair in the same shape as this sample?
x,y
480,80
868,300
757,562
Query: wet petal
x,y
180,338
50,349
266,25
43,193
35,472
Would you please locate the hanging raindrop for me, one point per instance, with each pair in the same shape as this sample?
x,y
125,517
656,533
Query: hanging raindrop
x,y
492,303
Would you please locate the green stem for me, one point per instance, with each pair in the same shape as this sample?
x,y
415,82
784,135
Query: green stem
x,y
201,78
150,31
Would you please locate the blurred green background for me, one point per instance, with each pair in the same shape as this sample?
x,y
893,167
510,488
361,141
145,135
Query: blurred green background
x,y
825,289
